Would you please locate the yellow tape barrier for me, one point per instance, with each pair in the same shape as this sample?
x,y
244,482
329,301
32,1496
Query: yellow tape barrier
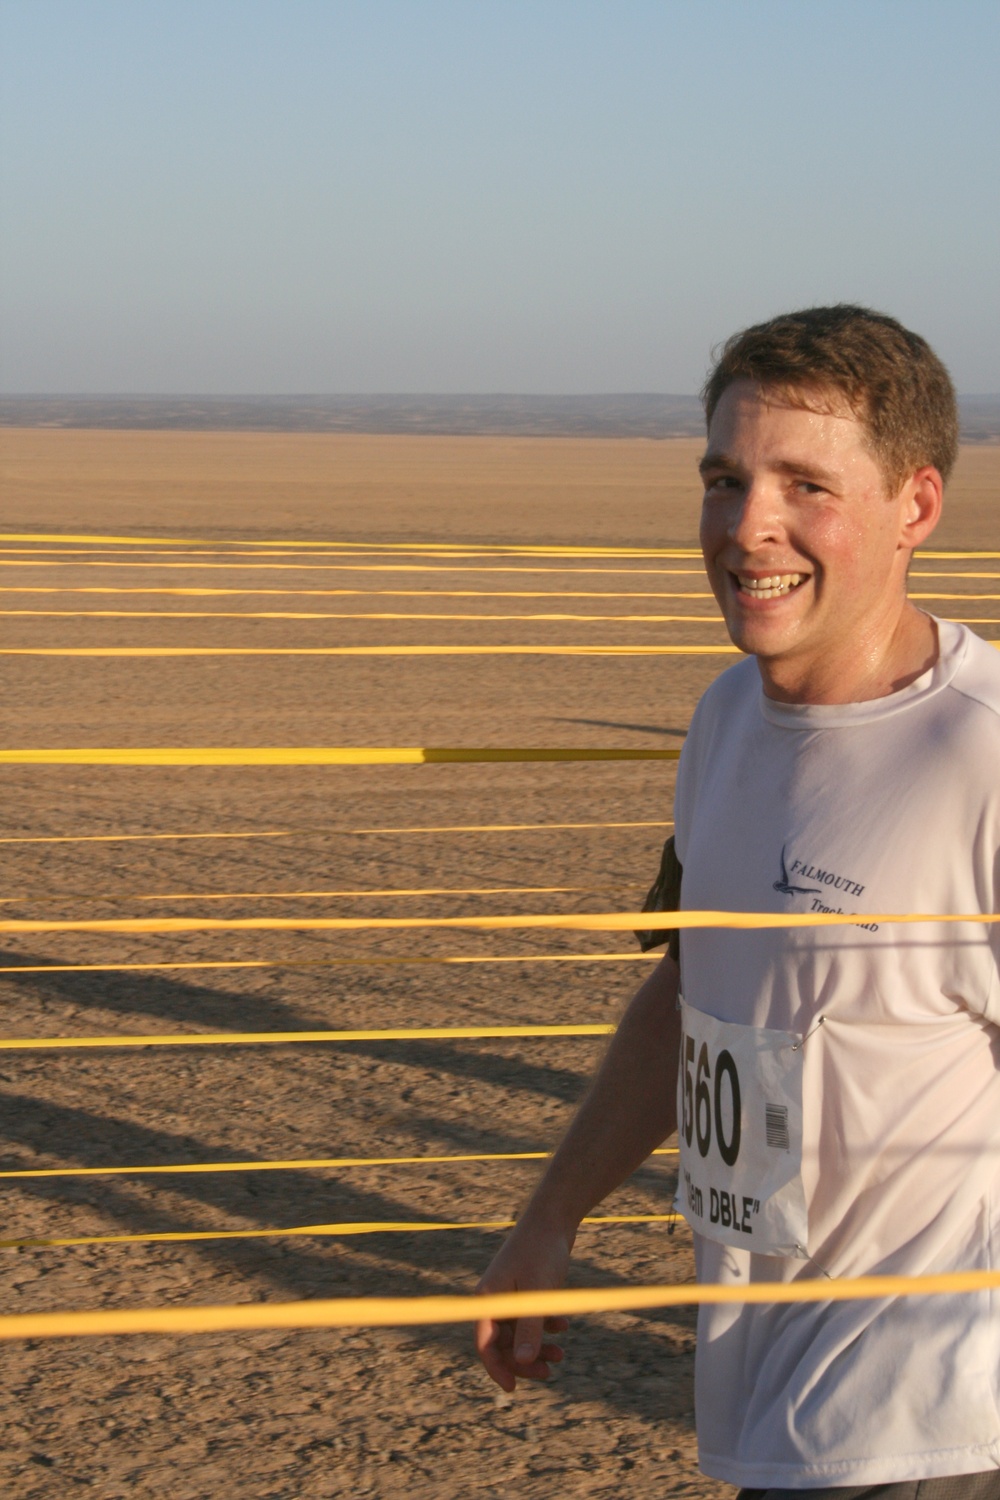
x,y
61,897
315,755
204,651
160,651
408,1312
299,1164
277,615
216,593
454,565
102,554
364,960
299,1231
441,552
545,548
612,921
45,555
218,614
272,1038
336,567
245,614
288,833
491,548
206,593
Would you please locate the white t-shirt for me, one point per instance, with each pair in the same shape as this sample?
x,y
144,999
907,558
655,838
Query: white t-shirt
x,y
886,806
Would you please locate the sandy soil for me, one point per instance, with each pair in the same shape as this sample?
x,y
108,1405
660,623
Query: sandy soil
x,y
615,490
368,1413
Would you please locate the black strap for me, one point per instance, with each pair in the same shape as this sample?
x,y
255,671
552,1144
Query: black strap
x,y
664,895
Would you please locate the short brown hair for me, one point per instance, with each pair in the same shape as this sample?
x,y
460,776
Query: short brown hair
x,y
891,380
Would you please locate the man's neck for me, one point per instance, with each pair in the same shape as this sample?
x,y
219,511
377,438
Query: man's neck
x,y
876,665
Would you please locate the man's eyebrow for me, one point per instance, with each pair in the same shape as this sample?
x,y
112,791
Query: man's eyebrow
x,y
716,460
804,470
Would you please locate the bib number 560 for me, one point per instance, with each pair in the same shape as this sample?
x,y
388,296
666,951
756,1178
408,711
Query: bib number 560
x,y
704,1086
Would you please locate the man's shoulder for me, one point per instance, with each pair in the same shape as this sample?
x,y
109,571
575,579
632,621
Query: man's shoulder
x,y
738,683
977,679
727,704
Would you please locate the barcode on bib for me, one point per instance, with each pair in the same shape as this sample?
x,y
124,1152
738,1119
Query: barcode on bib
x,y
776,1126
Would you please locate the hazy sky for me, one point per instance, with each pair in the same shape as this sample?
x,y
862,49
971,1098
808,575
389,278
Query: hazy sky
x,y
285,196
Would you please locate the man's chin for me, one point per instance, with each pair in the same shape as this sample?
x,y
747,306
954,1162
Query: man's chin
x,y
756,639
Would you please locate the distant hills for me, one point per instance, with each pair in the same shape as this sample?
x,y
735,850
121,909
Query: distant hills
x,y
647,416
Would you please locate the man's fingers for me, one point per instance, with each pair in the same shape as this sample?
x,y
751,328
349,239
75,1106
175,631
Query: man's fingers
x,y
496,1361
527,1340
556,1325
508,1355
538,1369
486,1334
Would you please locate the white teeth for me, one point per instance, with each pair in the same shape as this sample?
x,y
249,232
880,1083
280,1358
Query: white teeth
x,y
772,587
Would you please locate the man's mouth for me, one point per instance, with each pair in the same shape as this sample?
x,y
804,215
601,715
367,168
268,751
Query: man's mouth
x,y
770,586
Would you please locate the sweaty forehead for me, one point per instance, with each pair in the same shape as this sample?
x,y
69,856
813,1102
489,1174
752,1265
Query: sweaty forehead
x,y
745,411
754,429
819,399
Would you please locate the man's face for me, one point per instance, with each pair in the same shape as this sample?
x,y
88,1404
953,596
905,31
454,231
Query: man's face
x,y
802,543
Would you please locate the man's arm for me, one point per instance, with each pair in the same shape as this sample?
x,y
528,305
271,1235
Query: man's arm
x,y
630,1109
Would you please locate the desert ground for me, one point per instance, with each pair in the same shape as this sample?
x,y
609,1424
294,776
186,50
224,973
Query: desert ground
x,y
362,1412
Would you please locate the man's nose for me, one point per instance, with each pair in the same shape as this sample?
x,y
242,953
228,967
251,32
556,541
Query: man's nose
x,y
756,517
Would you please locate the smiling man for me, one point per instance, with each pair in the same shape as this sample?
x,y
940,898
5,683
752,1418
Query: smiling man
x,y
837,1089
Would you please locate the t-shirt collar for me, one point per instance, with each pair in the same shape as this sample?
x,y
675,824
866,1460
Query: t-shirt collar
x,y
952,646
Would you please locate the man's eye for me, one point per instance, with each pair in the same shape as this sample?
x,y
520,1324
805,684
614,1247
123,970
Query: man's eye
x,y
808,488
720,482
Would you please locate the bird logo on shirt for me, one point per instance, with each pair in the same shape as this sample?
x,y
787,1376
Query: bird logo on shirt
x,y
785,886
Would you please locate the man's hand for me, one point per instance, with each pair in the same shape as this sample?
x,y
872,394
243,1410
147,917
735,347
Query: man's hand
x,y
532,1259
627,1113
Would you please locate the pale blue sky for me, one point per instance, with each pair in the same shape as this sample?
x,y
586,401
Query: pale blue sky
x,y
286,196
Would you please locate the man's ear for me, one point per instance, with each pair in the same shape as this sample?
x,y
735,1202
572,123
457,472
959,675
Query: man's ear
x,y
921,499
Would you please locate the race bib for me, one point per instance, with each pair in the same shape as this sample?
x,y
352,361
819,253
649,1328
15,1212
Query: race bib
x,y
739,1116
